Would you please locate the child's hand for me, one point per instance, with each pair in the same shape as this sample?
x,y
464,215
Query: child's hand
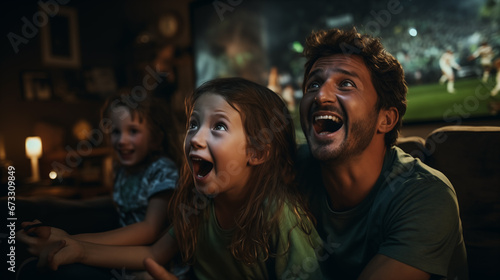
x,y
36,236
157,271
54,233
33,235
61,252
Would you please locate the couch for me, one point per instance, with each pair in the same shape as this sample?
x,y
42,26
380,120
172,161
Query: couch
x,y
470,157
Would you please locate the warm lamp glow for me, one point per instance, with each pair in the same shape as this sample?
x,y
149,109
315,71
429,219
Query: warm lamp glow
x,y
34,151
53,175
33,147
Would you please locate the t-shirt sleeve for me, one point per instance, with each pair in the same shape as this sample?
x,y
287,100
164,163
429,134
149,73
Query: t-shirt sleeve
x,y
162,175
423,227
296,257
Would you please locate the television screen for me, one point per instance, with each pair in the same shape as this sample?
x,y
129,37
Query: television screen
x,y
263,41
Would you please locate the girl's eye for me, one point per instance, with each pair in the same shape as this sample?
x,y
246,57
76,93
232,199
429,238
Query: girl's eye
x,y
115,132
134,131
192,125
347,83
220,126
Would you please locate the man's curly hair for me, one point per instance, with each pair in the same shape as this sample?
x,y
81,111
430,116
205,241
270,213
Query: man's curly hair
x,y
387,74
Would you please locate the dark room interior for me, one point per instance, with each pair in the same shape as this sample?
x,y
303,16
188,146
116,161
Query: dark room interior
x,y
60,60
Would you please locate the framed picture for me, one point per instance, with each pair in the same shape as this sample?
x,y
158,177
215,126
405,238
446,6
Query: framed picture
x,y
36,86
100,82
60,39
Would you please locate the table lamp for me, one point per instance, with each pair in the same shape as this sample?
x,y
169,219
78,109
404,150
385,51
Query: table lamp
x,y
34,152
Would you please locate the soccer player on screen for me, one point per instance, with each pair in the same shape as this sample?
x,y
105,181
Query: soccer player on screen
x,y
484,51
447,62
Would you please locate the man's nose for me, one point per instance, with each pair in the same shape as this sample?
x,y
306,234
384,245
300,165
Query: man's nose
x,y
327,93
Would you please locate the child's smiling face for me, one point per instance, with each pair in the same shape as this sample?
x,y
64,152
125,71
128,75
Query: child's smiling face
x,y
215,147
130,137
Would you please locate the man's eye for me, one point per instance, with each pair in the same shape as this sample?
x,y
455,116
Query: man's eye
x,y
313,86
347,83
220,126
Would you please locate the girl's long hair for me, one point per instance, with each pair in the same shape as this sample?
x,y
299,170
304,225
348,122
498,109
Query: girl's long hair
x,y
270,133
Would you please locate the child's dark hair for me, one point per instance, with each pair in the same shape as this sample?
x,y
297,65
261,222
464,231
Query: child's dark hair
x,y
269,133
158,117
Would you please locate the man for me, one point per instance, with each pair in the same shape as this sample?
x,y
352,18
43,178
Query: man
x,y
381,213
447,63
486,53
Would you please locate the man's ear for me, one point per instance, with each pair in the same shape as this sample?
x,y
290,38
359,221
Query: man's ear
x,y
258,157
387,119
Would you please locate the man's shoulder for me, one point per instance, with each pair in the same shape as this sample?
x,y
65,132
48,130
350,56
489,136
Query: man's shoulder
x,y
406,175
412,170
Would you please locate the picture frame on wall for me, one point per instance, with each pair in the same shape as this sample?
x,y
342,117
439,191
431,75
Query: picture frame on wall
x,y
60,39
36,86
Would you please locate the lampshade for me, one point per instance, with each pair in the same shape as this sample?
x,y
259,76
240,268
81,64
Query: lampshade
x,y
33,147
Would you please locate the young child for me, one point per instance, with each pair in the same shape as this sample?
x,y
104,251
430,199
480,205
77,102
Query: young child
x,y
236,214
147,156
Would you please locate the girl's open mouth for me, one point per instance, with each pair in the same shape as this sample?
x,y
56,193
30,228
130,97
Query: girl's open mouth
x,y
201,167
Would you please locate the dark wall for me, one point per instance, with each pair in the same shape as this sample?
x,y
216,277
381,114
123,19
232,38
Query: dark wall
x,y
107,32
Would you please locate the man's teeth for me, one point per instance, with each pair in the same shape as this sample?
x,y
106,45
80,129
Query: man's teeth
x,y
327,117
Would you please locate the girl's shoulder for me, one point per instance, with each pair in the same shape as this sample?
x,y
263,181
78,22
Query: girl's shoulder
x,y
161,173
161,163
293,214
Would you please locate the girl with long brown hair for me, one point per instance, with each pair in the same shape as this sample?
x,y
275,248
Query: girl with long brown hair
x,y
236,212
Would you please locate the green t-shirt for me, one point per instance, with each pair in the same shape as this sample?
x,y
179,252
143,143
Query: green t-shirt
x,y
410,215
299,262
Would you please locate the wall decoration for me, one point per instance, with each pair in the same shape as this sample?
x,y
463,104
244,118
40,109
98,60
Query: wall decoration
x,y
36,86
100,82
60,39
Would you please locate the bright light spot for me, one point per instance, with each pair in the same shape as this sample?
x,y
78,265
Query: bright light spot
x,y
52,175
412,31
297,46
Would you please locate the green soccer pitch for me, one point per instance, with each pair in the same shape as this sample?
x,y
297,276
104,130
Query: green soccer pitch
x,y
431,102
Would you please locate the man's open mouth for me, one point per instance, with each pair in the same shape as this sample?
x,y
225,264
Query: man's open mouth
x,y
326,124
201,167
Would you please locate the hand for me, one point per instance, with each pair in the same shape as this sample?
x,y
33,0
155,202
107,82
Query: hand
x,y
157,271
37,237
61,252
